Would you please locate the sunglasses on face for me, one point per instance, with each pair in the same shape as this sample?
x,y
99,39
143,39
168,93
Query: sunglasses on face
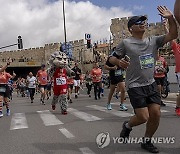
x,y
140,22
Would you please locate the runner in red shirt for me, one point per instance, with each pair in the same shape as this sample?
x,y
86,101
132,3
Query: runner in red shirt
x,y
176,51
42,78
96,74
4,89
160,73
60,89
70,82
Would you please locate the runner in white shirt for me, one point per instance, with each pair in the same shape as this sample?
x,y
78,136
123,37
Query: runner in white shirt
x,y
31,81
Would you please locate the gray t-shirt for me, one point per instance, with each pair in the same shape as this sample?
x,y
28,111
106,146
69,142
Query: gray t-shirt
x,y
143,54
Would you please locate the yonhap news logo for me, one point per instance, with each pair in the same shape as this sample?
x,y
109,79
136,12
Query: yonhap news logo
x,y
103,140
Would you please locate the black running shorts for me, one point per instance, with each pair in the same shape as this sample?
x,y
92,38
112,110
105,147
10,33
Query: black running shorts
x,y
160,81
141,97
116,79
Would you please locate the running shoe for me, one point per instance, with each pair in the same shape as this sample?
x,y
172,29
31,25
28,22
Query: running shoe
x,y
70,101
1,114
149,147
8,112
177,110
125,131
64,112
76,96
123,107
109,107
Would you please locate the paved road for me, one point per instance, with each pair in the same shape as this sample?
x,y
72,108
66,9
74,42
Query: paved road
x,y
36,129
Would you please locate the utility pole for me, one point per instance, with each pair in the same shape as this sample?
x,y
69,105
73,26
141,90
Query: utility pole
x,y
65,39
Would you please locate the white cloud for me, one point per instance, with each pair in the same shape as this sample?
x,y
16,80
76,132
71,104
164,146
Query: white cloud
x,y
138,7
40,22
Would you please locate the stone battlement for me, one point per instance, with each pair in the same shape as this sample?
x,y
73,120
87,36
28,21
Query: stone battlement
x,y
39,54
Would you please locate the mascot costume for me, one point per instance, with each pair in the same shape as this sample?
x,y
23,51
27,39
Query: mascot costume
x,y
58,72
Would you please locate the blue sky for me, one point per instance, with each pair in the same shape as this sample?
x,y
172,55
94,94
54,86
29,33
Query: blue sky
x,y
41,21
138,7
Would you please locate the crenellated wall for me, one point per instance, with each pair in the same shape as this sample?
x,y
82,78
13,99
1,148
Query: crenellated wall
x,y
120,30
37,56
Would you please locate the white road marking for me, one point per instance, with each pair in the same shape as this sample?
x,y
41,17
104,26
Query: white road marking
x,y
18,121
163,111
114,112
66,133
127,105
83,115
86,150
48,118
170,103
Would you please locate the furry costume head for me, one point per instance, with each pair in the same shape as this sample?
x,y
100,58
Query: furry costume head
x,y
58,59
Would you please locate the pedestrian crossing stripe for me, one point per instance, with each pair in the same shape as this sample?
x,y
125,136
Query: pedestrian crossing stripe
x,y
83,115
170,104
66,133
18,121
48,118
113,112
130,106
86,150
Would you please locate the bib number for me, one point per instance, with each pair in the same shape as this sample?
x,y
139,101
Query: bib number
x,y
146,61
2,89
118,72
61,81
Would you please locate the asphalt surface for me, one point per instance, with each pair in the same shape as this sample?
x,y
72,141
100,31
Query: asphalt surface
x,y
36,129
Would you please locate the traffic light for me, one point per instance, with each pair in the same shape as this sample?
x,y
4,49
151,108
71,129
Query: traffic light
x,y
20,44
88,44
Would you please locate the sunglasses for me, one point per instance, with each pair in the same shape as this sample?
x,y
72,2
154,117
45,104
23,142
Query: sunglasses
x,y
140,22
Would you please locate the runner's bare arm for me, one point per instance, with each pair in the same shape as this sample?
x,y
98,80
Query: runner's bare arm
x,y
166,13
110,68
119,62
177,10
8,63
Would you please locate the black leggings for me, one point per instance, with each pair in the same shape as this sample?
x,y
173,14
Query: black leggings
x,y
89,87
32,92
97,89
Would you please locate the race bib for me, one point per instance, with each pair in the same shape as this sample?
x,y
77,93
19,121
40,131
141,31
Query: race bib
x,y
159,63
2,89
61,81
146,61
119,72
44,78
